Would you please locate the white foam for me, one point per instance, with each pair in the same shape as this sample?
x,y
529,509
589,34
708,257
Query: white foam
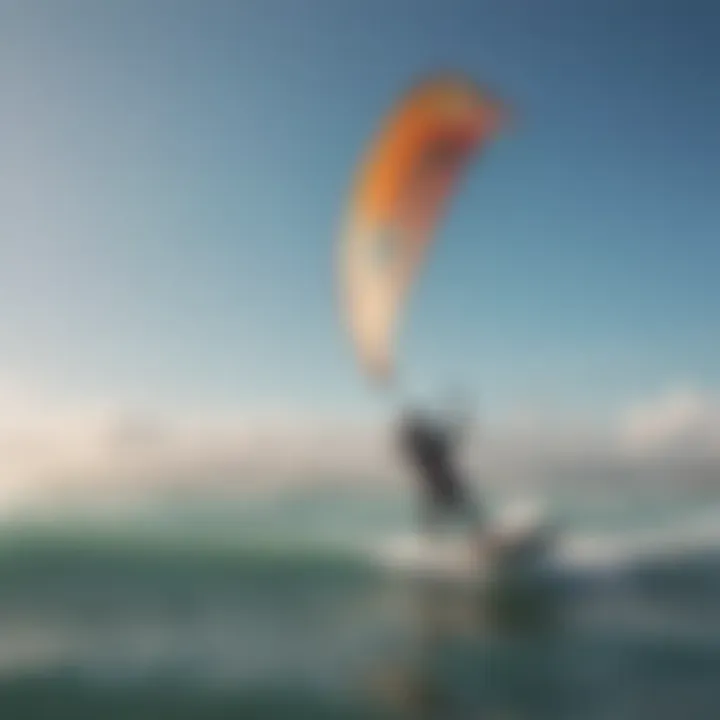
x,y
698,533
608,551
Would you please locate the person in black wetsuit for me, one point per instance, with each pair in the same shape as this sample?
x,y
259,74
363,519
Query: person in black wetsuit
x,y
431,448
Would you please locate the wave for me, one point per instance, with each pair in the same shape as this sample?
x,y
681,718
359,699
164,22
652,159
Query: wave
x,y
270,541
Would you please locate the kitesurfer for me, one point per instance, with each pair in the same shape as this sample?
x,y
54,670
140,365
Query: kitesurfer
x,y
431,447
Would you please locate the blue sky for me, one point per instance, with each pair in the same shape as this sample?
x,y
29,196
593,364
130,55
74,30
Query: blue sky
x,y
174,174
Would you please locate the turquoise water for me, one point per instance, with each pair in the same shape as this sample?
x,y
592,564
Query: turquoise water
x,y
283,609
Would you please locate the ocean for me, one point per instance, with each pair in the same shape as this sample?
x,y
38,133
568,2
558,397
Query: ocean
x,y
285,607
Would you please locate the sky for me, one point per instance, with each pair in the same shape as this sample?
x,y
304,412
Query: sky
x,y
174,174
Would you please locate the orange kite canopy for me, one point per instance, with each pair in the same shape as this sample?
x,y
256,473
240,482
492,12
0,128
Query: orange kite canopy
x,y
401,188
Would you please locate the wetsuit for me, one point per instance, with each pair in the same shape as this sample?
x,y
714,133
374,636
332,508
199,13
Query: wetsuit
x,y
430,449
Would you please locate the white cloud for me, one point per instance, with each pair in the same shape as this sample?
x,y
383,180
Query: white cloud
x,y
54,449
683,421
